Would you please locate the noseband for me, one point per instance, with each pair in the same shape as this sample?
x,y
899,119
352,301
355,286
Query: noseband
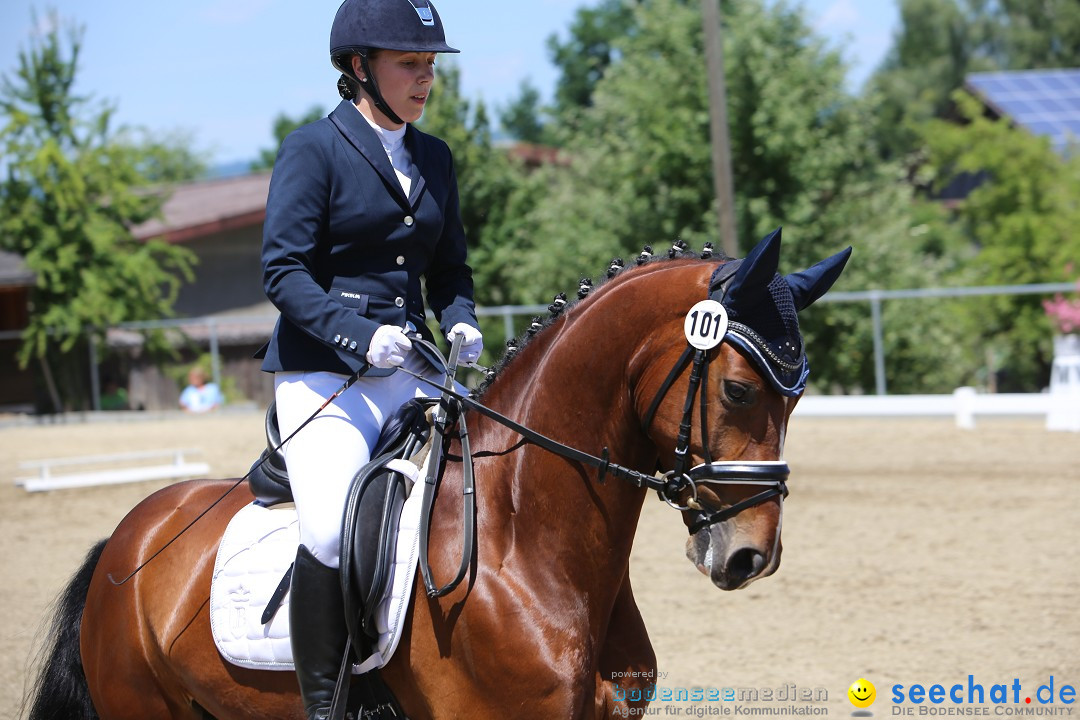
x,y
770,474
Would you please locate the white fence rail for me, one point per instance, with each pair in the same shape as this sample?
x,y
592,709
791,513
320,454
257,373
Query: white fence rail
x,y
964,404
48,479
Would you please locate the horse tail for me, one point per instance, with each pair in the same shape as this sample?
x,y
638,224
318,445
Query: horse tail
x,y
60,691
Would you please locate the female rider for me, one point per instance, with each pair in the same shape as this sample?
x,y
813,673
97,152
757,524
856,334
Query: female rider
x,y
361,206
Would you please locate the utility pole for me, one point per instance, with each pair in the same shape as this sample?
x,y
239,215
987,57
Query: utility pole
x,y
718,127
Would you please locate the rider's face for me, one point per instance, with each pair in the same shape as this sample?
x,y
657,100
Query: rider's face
x,y
405,80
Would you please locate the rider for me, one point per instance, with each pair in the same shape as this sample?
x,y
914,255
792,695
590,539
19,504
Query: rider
x,y
361,206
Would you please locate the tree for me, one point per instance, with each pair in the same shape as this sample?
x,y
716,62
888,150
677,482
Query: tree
x,y
803,157
940,41
1040,33
522,118
71,193
1021,220
283,125
585,56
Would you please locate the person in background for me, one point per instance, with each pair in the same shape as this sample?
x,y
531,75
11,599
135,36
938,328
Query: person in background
x,y
362,207
200,395
113,395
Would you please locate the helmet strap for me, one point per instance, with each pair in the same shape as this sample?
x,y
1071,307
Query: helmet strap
x,y
372,89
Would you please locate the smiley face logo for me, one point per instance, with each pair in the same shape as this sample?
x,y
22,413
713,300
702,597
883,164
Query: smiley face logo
x,y
862,693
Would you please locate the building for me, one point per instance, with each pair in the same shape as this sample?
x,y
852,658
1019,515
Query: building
x,y
224,309
17,389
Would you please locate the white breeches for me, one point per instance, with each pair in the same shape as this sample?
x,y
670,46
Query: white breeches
x,y
325,456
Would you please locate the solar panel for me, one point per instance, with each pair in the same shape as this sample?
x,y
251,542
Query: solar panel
x,y
1045,102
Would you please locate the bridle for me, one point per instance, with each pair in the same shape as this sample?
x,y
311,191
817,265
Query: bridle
x,y
770,474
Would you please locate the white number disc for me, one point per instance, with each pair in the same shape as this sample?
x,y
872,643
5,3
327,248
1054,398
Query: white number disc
x,y
706,324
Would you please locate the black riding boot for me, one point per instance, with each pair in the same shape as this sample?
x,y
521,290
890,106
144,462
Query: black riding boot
x,y
317,627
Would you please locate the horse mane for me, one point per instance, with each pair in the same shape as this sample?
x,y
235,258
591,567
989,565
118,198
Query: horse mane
x,y
679,250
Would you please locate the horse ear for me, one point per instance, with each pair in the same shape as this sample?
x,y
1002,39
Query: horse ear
x,y
757,269
810,284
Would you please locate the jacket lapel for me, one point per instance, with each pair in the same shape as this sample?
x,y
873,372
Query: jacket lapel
x,y
356,130
416,154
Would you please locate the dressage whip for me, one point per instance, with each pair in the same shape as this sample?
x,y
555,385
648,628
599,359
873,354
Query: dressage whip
x,y
348,383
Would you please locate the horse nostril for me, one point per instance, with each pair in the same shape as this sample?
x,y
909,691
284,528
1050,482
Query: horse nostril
x,y
745,563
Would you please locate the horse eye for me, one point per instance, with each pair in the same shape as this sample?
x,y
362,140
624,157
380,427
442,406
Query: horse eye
x,y
739,393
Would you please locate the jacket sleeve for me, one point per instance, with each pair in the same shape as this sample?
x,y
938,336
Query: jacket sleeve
x,y
449,277
296,222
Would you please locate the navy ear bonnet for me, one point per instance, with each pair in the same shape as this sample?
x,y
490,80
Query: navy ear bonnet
x,y
763,308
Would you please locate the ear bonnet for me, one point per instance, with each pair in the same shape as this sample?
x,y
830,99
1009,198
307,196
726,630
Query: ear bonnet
x,y
763,306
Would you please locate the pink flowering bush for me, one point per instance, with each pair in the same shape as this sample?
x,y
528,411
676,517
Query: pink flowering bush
x,y
1064,313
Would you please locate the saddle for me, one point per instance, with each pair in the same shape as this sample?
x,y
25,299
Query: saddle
x,y
372,510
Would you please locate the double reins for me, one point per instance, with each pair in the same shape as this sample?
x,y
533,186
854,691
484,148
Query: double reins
x,y
769,474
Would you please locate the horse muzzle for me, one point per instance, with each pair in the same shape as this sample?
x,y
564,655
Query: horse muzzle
x,y
731,546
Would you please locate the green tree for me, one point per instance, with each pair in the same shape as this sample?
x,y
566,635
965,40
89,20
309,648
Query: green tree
x,y
591,46
283,125
639,173
1039,33
522,118
68,199
1022,220
939,42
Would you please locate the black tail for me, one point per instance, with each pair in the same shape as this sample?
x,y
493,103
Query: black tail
x,y
60,691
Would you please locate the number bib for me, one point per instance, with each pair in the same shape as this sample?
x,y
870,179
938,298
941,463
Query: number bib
x,y
706,324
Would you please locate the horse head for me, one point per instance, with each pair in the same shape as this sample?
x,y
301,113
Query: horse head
x,y
727,439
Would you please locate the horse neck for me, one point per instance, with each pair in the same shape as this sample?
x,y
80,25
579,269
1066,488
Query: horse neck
x,y
574,383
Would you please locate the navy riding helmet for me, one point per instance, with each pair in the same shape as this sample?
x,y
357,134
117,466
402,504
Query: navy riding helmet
x,y
364,25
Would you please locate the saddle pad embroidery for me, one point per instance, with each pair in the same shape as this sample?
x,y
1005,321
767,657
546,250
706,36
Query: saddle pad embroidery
x,y
257,548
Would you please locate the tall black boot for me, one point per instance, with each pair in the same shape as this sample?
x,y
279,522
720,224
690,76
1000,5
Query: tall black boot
x,y
318,631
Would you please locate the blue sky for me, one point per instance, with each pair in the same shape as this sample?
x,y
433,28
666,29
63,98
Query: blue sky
x,y
223,70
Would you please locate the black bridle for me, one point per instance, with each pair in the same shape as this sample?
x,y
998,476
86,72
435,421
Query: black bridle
x,y
771,474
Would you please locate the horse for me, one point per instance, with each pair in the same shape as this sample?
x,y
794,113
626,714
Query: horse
x,y
546,624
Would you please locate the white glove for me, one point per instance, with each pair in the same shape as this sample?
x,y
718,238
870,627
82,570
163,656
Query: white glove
x,y
388,347
471,346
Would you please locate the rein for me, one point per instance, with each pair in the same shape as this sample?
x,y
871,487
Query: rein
x,y
770,474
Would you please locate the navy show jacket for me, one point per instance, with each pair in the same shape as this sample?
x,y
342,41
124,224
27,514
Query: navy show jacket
x,y
344,249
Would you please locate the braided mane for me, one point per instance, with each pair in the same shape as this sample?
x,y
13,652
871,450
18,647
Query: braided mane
x,y
560,304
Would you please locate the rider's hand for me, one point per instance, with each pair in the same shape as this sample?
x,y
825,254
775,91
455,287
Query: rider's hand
x,y
472,343
388,347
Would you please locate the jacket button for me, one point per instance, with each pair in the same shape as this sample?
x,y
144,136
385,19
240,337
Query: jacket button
x,y
409,220
399,301
337,338
400,259
352,345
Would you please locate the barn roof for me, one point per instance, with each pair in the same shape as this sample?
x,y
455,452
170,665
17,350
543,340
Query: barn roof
x,y
205,207
13,271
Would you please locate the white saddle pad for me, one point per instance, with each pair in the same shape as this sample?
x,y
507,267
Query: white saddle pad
x,y
258,546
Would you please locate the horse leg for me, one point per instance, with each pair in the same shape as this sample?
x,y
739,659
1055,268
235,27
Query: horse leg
x,y
627,661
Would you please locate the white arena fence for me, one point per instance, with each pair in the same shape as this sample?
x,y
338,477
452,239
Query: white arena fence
x,y
109,469
964,405
960,404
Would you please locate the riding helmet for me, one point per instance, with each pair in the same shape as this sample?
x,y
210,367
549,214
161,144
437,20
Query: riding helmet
x,y
405,25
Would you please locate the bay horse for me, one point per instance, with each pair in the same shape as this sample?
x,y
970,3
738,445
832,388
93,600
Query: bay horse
x,y
546,625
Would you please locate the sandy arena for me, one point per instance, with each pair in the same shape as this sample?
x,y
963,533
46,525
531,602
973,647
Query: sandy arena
x,y
914,552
